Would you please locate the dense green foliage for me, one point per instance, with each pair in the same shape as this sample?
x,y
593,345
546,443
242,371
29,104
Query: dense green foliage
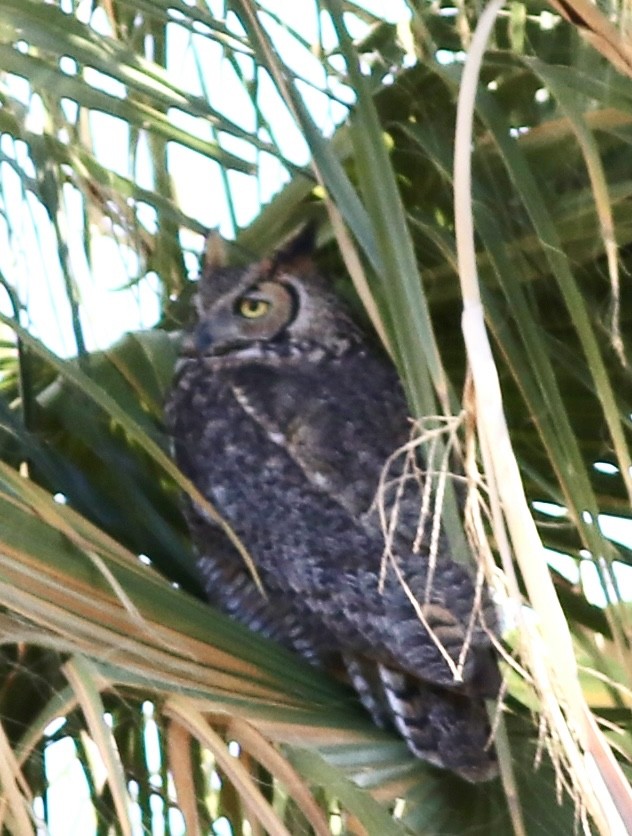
x,y
86,626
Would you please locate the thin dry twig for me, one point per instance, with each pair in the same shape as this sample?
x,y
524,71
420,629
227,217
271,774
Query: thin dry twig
x,y
423,485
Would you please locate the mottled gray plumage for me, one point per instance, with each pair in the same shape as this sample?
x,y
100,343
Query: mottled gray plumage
x,y
283,416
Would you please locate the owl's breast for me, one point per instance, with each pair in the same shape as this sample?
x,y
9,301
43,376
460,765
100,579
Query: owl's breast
x,y
283,462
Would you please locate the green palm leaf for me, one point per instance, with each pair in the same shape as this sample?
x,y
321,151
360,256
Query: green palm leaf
x,y
89,629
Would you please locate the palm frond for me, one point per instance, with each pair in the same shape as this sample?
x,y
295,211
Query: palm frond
x,y
88,494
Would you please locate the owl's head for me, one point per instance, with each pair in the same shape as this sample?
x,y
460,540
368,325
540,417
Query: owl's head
x,y
280,300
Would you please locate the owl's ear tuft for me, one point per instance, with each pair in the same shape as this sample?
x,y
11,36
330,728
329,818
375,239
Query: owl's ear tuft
x,y
214,256
298,251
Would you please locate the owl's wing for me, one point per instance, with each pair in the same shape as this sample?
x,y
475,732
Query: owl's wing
x,y
338,421
442,638
335,427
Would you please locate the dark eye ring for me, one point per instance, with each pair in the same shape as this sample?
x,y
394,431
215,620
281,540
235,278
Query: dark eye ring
x,y
252,308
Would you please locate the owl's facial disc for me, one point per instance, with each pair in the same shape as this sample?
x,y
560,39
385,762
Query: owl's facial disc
x,y
261,313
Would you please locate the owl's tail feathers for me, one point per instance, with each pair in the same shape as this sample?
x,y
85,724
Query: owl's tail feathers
x,y
445,728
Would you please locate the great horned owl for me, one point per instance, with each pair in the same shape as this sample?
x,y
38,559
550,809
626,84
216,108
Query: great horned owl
x,y
283,415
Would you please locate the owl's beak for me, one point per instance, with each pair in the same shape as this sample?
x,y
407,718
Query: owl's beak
x,y
202,338
212,339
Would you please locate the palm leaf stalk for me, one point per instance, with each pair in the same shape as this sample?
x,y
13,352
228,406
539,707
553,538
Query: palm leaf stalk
x,y
549,653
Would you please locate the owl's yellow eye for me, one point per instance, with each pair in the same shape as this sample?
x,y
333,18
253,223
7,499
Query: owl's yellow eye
x,y
252,308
